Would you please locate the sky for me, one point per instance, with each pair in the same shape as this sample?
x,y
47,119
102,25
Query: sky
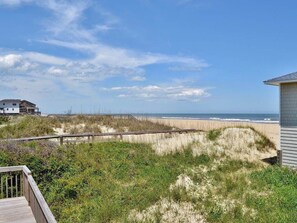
x,y
146,56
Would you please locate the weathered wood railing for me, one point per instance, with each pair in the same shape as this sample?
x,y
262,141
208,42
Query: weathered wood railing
x,y
91,136
17,181
11,182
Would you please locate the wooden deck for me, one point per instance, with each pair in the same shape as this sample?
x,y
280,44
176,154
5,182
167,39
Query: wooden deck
x,y
14,210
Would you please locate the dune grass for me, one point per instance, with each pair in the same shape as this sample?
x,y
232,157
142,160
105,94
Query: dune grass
x,y
117,123
29,126
100,182
131,182
4,119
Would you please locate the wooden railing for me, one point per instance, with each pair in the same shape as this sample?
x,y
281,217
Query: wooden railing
x,y
91,136
17,181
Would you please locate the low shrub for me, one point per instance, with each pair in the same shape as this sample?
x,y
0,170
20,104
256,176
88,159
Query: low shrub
x,y
213,134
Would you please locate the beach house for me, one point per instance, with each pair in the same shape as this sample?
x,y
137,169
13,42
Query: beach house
x,y
10,106
288,117
17,106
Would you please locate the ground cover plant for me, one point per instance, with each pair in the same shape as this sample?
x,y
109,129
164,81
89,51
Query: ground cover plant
x,y
99,182
26,126
220,179
97,123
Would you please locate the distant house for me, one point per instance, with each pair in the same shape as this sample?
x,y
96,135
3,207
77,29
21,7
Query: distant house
x,y
288,117
10,106
17,106
27,107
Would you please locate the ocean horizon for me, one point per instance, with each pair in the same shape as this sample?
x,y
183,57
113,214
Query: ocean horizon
x,y
232,117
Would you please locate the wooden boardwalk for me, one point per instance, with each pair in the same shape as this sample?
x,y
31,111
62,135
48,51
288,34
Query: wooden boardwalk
x,y
15,210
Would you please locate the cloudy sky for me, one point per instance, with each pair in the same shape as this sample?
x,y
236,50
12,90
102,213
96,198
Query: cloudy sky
x,y
146,56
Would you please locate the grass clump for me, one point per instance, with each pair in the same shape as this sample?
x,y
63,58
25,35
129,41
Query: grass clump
x,y
4,119
212,135
77,123
27,126
281,203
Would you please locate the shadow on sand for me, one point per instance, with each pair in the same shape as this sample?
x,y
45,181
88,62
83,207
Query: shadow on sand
x,y
271,160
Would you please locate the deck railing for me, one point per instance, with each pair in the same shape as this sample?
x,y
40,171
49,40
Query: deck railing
x,y
91,136
17,181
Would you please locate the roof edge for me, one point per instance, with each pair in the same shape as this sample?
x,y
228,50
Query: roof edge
x,y
278,83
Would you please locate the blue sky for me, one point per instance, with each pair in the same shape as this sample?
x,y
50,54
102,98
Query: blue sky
x,y
179,56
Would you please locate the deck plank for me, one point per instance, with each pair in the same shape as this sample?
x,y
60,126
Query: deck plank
x,y
13,210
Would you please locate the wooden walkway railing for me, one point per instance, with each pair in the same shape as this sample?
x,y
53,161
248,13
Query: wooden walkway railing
x,y
91,136
17,181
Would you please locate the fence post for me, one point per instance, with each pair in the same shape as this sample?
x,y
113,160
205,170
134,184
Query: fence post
x,y
61,140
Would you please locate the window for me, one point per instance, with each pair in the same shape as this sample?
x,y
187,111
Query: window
x,y
3,103
7,109
13,109
14,104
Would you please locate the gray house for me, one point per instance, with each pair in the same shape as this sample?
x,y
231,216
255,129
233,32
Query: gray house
x,y
288,117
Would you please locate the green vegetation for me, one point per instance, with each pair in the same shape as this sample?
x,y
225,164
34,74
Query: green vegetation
x,y
111,181
264,142
26,126
213,134
281,203
118,123
3,119
99,182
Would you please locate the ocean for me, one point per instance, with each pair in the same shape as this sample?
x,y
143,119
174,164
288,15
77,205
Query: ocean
x,y
262,118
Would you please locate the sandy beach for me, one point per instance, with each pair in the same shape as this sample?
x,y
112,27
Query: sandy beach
x,y
268,129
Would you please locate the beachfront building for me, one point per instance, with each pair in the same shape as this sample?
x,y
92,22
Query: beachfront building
x,y
288,117
27,107
10,106
17,106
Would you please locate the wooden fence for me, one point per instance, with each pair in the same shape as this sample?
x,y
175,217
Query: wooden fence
x,y
17,181
91,136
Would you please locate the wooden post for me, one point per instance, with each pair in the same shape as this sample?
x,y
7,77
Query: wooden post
x,y
21,185
11,186
6,186
61,140
2,193
16,185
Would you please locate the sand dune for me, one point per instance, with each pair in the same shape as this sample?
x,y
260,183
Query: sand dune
x,y
269,130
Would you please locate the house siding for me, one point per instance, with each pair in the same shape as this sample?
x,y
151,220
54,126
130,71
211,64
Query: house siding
x,y
288,123
288,104
10,107
288,144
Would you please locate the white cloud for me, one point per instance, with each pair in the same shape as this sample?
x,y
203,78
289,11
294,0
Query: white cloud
x,y
156,92
65,29
138,78
56,71
15,62
120,57
44,58
103,60
13,2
